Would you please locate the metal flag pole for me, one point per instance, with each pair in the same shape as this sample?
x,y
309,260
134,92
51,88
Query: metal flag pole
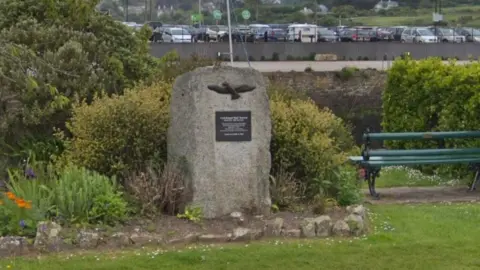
x,y
229,33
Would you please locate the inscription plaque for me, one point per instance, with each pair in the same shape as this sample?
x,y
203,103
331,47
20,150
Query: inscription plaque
x,y
233,126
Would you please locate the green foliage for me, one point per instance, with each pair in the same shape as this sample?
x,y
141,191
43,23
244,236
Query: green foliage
x,y
348,186
72,195
52,53
309,142
109,209
346,73
120,134
194,214
79,193
428,95
22,220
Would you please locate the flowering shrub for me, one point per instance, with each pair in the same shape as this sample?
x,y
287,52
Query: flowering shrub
x,y
18,216
72,195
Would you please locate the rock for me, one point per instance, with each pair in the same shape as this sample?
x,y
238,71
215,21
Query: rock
x,y
357,210
223,140
355,223
293,233
144,238
323,226
242,234
319,226
88,239
341,228
236,215
274,227
187,239
48,236
13,245
121,240
238,218
307,228
214,238
325,57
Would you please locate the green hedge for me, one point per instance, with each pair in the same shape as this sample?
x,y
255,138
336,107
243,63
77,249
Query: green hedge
x,y
429,95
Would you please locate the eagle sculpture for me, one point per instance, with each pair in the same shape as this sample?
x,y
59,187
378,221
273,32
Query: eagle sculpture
x,y
226,88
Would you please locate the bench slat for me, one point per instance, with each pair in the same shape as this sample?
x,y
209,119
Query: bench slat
x,y
402,158
423,152
421,135
433,161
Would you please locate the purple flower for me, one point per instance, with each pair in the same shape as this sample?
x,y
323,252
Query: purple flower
x,y
29,173
22,223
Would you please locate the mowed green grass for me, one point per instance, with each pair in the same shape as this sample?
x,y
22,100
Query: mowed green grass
x,y
403,237
408,177
424,17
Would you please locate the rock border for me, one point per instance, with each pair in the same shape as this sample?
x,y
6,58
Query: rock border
x,y
48,237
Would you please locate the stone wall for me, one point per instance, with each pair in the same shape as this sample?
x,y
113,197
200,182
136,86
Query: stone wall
x,y
355,95
343,50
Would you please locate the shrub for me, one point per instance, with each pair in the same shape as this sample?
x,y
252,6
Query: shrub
x,y
73,195
285,190
428,95
118,134
275,56
82,196
346,73
157,190
309,142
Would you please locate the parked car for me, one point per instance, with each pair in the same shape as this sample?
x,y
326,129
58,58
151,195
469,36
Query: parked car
x,y
327,35
200,35
277,34
239,35
381,34
471,34
176,35
396,32
418,35
156,31
447,35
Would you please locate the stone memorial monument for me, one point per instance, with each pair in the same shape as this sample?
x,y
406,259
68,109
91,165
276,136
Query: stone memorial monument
x,y
220,128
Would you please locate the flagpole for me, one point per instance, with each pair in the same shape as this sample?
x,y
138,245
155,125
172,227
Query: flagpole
x,y
229,32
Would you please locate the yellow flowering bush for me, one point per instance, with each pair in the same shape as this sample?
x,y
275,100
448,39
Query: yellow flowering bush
x,y
311,143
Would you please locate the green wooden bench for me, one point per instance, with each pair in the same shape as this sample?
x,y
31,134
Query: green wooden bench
x,y
372,160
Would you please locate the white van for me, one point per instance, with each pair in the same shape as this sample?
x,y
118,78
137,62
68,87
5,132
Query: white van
x,y
302,33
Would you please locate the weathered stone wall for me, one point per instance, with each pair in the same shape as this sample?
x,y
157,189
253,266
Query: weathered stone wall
x,y
355,95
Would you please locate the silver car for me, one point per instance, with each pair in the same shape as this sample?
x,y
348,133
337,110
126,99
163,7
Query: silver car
x,y
418,35
448,35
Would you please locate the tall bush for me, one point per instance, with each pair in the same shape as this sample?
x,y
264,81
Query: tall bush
x,y
311,143
119,134
428,95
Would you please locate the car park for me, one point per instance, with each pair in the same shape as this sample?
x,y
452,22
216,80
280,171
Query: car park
x,y
327,35
447,35
418,35
471,34
176,35
311,33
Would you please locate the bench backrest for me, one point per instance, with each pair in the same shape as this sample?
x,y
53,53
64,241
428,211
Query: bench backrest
x,y
421,135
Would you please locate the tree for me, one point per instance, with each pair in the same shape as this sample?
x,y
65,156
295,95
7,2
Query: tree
x,y
53,52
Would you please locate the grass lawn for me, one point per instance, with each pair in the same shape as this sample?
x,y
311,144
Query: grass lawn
x,y
408,177
424,17
403,237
